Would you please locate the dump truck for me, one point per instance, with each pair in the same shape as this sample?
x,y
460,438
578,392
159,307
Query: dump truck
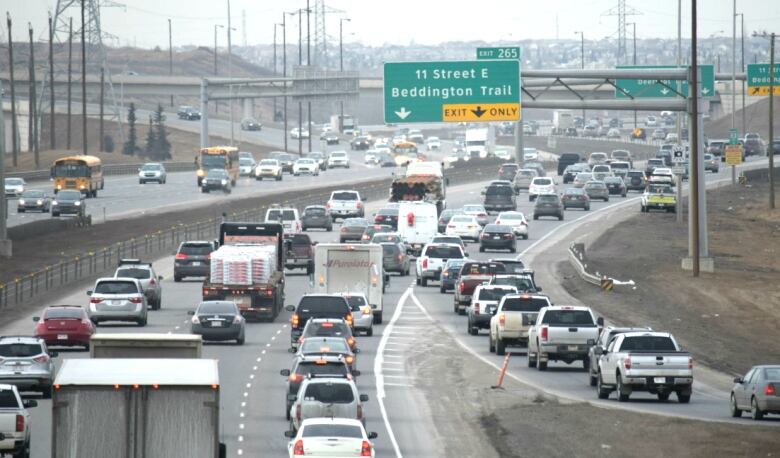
x,y
145,346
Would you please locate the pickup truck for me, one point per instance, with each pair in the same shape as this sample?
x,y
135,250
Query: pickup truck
x,y
484,302
512,320
658,196
14,422
562,333
472,274
345,204
645,361
433,259
605,338
299,252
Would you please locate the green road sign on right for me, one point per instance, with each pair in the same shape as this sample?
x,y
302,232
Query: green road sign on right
x,y
652,88
758,79
501,53
733,136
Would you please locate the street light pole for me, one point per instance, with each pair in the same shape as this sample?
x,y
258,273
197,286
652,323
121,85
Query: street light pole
x,y
275,70
742,67
284,73
308,64
300,62
733,63
582,62
216,26
170,53
341,64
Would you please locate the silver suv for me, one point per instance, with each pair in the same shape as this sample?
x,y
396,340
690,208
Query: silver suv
x,y
144,273
27,363
117,299
327,396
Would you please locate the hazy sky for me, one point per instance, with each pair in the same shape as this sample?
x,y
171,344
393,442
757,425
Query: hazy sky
x,y
144,22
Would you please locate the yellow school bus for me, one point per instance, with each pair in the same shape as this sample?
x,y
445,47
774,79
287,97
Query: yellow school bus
x,y
84,173
218,157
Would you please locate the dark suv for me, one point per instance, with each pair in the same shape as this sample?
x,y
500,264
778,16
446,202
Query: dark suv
x,y
500,198
508,171
188,113
317,306
192,259
567,159
753,145
316,216
635,180
300,254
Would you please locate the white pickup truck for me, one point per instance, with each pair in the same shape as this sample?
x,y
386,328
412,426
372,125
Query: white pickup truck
x,y
562,333
645,361
14,422
346,204
432,259
513,319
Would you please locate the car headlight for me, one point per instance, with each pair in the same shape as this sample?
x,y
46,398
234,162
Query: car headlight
x,y
21,201
54,202
77,203
195,319
224,182
200,172
39,202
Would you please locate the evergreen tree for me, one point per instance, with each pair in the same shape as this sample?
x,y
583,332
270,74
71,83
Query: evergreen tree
x,y
151,140
162,145
131,145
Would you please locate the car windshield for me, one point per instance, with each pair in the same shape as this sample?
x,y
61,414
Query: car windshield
x,y
592,185
389,249
325,345
581,318
298,239
354,222
63,314
344,195
269,162
196,249
217,174
355,302
340,154
8,400
443,252
207,308
69,195
445,239
305,161
524,304
519,282
500,191
772,373
14,181
285,215
493,294
497,228
134,272
322,304
542,181
648,344
473,208
511,216
462,219
317,368
116,287
317,211
598,156
574,191
329,393
615,180
33,194
20,350
487,268
245,162
348,431
151,167
547,198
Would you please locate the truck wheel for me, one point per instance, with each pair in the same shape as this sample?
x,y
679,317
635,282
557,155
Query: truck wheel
x,y
685,398
471,329
663,396
586,364
491,346
418,281
157,304
592,379
176,278
378,318
241,339
602,391
531,360
24,452
424,281
310,268
370,331
541,365
442,290
621,390
500,347
456,308
287,412
46,392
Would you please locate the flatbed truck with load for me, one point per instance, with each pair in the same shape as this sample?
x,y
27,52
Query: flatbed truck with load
x,y
423,181
146,345
259,297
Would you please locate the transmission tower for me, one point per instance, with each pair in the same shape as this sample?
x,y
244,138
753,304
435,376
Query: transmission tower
x,y
94,36
621,11
320,35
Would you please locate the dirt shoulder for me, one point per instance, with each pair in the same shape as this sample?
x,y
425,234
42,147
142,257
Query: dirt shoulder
x,y
729,319
471,419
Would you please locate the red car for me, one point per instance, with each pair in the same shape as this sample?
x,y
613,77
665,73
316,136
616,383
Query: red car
x,y
64,325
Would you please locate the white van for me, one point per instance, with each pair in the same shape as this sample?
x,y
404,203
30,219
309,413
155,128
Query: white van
x,y
418,222
342,267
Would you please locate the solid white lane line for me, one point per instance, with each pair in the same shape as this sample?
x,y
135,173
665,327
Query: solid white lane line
x,y
405,385
378,370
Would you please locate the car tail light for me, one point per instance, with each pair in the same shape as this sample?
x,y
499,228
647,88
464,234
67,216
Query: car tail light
x,y
95,300
425,263
359,205
237,319
349,359
181,256
351,341
343,229
450,226
359,412
627,363
20,423
152,281
769,390
296,377
295,321
461,287
507,236
298,448
400,257
136,300
524,223
365,450
501,319
41,359
476,308
690,363
482,215
378,218
327,205
348,319
545,333
410,219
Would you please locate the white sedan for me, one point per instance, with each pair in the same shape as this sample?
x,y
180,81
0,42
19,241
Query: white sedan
x,y
370,157
338,159
464,226
306,166
662,175
477,211
297,133
433,143
516,221
321,437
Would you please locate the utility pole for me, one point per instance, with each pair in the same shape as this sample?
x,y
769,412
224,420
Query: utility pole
x,y
70,80
275,71
5,244
83,78
300,104
582,65
170,54
52,137
102,86
742,67
341,64
694,135
215,48
633,24
284,74
308,64
771,121
230,71
14,126
33,134
733,63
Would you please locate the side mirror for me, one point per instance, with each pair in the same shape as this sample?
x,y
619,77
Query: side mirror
x,y
191,312
291,350
494,311
54,354
600,321
356,373
289,434
598,351
466,255
357,350
363,398
290,308
591,342
29,403
539,288
89,293
285,372
739,380
36,319
314,243
482,192
292,397
160,277
372,435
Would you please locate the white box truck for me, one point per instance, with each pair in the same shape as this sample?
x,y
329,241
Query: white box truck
x,y
136,408
480,141
418,223
145,345
344,267
562,119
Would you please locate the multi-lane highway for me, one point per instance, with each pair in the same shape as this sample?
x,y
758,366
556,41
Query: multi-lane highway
x,y
253,391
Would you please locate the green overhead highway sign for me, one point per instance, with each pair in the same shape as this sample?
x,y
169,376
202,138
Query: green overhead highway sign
x,y
452,91
652,88
504,52
758,79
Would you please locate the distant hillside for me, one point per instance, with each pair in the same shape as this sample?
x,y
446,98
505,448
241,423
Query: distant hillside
x,y
756,119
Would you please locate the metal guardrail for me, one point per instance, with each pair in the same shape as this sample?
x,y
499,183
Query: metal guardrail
x,y
108,170
155,244
577,259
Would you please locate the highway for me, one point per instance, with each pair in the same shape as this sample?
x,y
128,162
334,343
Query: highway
x,y
253,391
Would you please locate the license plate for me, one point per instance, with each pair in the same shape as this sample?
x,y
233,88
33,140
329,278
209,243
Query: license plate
x,y
195,263
114,302
659,379
496,237
660,205
573,348
62,337
216,324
